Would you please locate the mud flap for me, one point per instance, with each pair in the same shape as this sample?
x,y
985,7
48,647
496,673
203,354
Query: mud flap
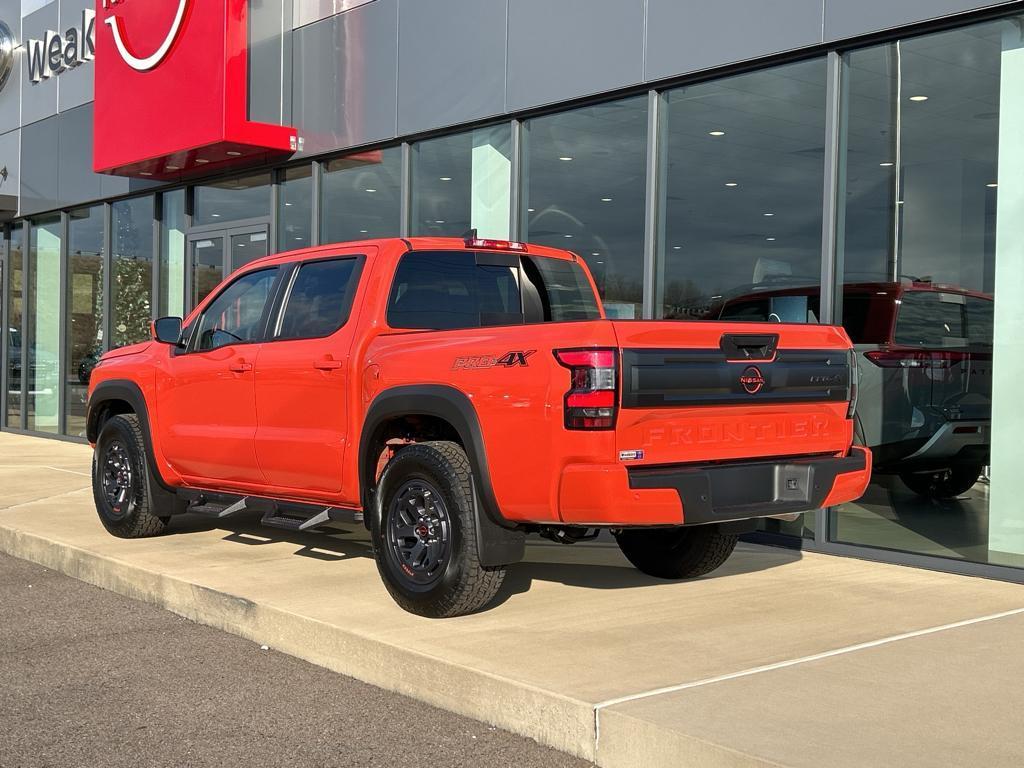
x,y
496,545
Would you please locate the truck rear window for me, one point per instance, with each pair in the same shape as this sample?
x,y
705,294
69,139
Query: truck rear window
x,y
446,290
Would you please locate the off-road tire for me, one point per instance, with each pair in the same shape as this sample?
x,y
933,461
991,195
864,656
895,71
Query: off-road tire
x,y
676,553
942,483
461,585
137,516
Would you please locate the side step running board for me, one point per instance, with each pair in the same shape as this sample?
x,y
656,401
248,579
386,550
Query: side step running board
x,y
275,519
289,516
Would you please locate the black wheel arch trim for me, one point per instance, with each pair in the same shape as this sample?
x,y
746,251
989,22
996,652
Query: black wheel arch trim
x,y
501,542
131,393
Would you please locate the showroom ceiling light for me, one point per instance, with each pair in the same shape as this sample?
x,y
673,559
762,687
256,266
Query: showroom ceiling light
x,y
886,164
565,158
288,205
530,210
919,98
446,178
731,184
677,247
371,190
201,161
716,133
768,214
363,231
993,185
603,200
232,153
770,239
215,215
568,235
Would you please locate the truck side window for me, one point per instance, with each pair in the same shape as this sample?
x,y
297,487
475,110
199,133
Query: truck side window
x,y
445,290
562,288
236,315
320,299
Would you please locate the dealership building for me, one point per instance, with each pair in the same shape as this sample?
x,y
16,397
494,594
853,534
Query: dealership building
x,y
851,161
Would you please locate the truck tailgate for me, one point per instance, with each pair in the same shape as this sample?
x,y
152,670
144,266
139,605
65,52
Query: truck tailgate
x,y
693,392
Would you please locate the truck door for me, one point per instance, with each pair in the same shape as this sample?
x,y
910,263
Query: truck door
x,y
207,404
303,375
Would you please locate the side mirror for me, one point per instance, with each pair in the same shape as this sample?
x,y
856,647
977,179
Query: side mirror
x,y
167,330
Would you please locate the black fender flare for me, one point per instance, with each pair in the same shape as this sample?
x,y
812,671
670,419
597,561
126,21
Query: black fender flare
x,y
501,542
129,392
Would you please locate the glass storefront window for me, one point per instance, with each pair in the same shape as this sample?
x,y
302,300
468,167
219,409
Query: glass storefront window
x,y
84,318
131,298
172,254
463,182
584,188
361,196
15,321
41,356
245,197
295,208
932,289
741,217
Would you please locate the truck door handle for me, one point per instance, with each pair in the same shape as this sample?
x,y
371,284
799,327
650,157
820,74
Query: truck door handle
x,y
240,366
327,363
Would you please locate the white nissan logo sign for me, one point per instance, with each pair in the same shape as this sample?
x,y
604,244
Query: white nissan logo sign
x,y
149,62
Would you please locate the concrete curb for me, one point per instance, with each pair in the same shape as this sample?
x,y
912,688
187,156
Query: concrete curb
x,y
556,721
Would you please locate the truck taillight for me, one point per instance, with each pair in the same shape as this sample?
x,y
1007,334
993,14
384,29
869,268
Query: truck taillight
x,y
592,399
854,384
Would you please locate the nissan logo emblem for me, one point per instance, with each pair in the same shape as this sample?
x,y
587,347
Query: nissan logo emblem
x,y
6,54
752,379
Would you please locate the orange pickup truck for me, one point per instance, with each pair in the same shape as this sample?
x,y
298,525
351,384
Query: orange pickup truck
x,y
457,395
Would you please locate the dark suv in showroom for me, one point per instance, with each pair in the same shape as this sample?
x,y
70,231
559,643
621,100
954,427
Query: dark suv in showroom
x,y
925,376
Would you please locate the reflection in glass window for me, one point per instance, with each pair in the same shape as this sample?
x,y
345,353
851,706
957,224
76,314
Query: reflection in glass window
x,y
84,319
463,182
234,317
131,298
294,211
15,330
584,190
41,357
172,255
246,197
320,299
362,196
932,283
743,187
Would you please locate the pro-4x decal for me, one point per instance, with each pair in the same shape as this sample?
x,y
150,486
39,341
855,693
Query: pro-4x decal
x,y
508,360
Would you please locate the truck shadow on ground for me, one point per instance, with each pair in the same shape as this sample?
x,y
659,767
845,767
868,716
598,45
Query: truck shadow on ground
x,y
592,565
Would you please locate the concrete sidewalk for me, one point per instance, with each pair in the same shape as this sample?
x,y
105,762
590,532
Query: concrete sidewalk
x,y
777,659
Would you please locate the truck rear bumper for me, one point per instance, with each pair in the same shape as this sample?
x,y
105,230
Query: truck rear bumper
x,y
694,495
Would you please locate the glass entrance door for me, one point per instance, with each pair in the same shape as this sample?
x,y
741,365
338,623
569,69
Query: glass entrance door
x,y
213,255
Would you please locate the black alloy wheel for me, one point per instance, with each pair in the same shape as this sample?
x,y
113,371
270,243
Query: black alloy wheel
x,y
419,532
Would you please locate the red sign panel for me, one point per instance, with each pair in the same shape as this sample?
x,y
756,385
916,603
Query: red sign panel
x,y
172,89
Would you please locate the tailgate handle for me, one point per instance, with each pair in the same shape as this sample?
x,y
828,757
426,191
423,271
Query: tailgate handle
x,y
749,346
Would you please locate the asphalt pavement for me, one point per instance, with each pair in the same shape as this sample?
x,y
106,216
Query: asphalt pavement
x,y
90,678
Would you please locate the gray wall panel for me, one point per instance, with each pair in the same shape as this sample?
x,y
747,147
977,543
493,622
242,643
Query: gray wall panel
x,y
845,18
267,31
451,62
10,158
560,49
690,35
76,181
74,87
345,74
39,177
10,96
38,100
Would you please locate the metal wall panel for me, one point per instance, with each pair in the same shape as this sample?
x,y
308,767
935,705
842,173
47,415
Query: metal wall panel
x,y
844,18
76,181
10,96
74,86
451,62
345,76
39,176
38,100
10,158
691,35
269,28
307,11
570,48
